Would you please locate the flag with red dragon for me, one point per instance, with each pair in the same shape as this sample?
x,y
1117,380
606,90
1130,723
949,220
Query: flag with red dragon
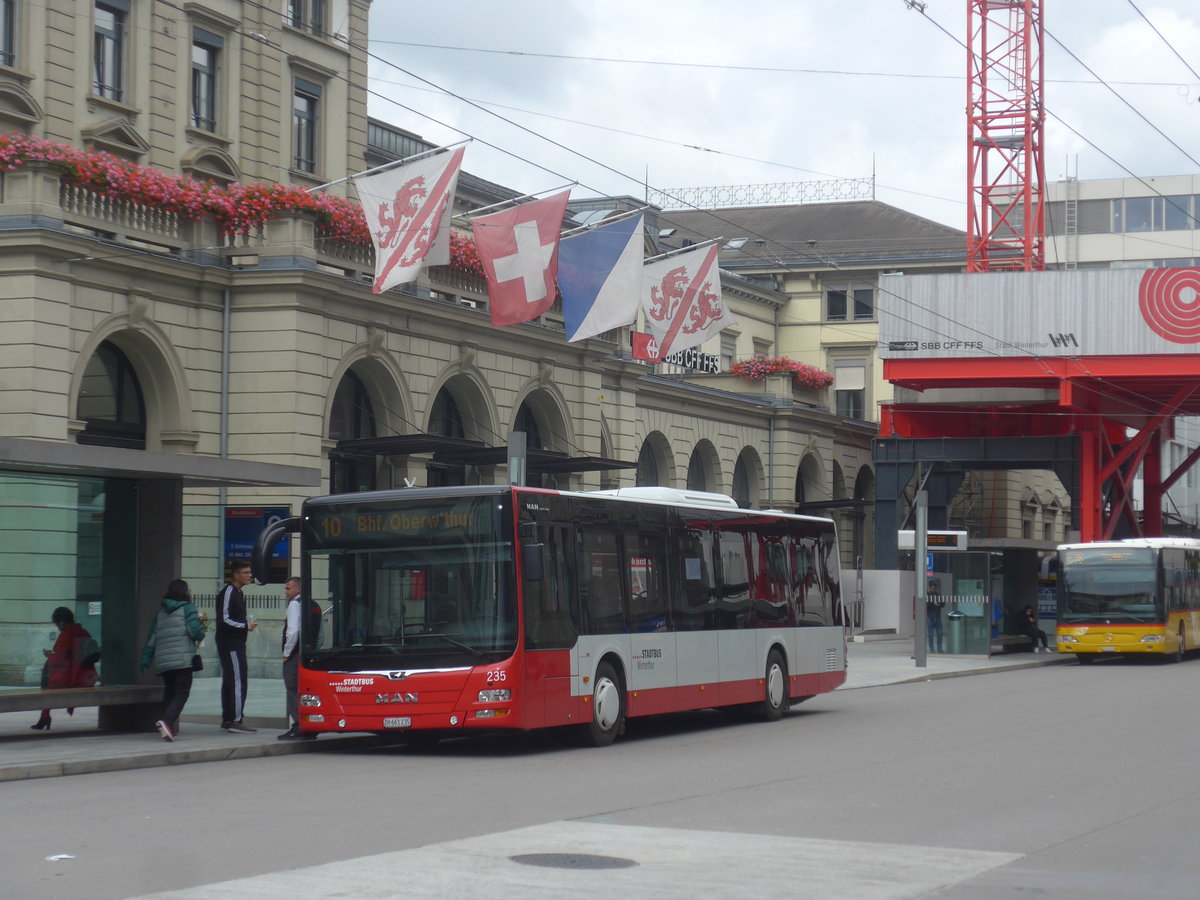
x,y
408,211
681,296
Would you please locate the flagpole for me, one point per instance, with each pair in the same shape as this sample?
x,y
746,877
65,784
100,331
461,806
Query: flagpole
x,y
475,212
679,250
621,218
387,165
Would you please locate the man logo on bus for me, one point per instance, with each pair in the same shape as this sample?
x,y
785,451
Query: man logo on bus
x,y
396,698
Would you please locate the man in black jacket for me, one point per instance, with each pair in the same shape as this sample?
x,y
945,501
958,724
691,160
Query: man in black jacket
x,y
232,629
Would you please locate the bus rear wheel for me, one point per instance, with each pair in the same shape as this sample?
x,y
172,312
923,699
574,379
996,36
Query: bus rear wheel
x,y
608,706
775,694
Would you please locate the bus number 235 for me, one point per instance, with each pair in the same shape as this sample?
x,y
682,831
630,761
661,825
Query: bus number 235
x,y
497,675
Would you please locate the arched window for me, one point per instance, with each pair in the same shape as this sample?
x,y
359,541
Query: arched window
x,y
445,419
647,467
352,416
110,401
528,423
695,474
741,482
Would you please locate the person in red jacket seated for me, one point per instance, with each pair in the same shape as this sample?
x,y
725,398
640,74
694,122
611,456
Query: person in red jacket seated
x,y
65,663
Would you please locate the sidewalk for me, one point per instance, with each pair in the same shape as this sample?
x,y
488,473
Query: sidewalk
x,y
74,746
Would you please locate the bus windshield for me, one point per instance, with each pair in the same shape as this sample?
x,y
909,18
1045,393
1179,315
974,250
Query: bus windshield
x,y
419,584
1106,586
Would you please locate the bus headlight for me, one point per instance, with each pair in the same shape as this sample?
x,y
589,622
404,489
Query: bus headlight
x,y
1153,639
494,695
1066,639
310,700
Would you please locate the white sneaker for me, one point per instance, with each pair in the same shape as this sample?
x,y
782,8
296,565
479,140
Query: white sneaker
x,y
165,730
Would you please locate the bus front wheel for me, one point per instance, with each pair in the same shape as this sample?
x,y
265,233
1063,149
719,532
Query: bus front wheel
x,y
608,706
775,699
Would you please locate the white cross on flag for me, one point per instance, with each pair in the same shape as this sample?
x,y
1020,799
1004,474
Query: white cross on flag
x,y
407,212
519,252
682,299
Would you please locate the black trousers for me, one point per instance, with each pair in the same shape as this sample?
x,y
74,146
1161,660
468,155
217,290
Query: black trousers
x,y
232,654
291,687
177,687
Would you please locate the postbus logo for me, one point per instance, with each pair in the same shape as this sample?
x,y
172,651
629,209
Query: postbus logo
x,y
1170,303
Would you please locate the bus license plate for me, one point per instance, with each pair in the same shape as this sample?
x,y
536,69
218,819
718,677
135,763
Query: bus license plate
x,y
1108,649
397,722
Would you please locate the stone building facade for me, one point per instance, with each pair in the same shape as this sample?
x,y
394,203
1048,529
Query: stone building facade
x,y
159,378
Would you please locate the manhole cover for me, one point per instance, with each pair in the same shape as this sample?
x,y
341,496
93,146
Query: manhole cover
x,y
573,861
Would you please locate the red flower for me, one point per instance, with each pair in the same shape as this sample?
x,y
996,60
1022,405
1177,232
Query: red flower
x,y
237,209
758,367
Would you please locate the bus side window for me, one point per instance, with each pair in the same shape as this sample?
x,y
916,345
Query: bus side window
x,y
646,554
548,616
693,599
733,579
601,594
771,583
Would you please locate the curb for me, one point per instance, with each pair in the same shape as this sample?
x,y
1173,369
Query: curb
x,y
963,673
28,771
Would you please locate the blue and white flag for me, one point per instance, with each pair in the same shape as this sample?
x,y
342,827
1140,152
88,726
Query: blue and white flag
x,y
600,277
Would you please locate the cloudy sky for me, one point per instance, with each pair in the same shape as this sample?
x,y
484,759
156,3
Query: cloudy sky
x,y
691,93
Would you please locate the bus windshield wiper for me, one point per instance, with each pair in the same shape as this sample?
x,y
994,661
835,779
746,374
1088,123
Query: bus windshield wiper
x,y
390,648
449,640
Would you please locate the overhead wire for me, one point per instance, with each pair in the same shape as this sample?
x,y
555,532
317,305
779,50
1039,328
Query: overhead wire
x,y
819,257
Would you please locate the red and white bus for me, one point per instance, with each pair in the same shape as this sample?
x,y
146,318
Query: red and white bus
x,y
461,609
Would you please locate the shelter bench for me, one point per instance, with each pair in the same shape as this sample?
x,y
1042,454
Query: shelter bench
x,y
1012,643
123,707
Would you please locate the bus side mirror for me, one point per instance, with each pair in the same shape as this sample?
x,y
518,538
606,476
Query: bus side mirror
x,y
533,561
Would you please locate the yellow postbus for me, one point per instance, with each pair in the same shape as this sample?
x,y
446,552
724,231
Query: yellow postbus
x,y
1137,596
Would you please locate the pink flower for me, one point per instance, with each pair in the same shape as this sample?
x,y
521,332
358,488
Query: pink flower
x,y
758,367
237,209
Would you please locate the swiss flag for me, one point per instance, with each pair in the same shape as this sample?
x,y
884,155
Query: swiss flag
x,y
519,252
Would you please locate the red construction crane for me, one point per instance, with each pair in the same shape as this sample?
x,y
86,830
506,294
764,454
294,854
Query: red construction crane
x,y
1005,120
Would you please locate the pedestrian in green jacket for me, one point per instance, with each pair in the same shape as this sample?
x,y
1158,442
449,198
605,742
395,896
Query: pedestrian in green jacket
x,y
174,638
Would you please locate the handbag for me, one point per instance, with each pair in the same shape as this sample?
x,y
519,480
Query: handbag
x,y
197,663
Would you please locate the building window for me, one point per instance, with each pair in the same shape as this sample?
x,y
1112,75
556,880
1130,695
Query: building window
x,y
206,48
110,401
647,467
1137,214
850,388
741,482
445,419
8,32
846,302
696,480
352,416
108,51
305,103
728,350
307,15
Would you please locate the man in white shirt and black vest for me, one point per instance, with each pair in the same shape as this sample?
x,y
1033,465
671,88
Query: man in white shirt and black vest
x,y
291,660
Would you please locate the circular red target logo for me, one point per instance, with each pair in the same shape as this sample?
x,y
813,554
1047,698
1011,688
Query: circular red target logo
x,y
1170,303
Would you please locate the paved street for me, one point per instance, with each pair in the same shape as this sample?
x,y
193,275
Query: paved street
x,y
1053,780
